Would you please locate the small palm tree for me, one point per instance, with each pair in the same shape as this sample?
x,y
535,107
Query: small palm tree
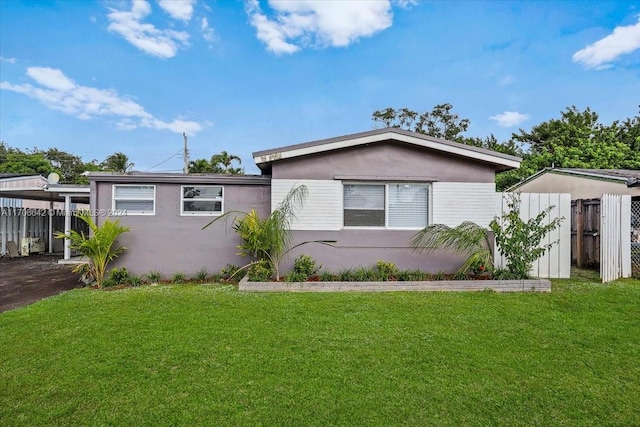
x,y
467,239
117,162
99,247
270,238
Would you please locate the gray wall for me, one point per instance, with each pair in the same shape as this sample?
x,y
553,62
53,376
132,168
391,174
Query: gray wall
x,y
170,243
364,247
385,159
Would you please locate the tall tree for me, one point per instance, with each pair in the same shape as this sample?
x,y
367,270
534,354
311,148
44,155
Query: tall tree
x,y
117,162
223,163
200,166
69,166
441,122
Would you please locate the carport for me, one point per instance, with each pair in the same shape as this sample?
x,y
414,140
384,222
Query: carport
x,y
36,187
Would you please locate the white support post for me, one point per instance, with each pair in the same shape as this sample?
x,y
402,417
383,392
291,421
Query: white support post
x,y
50,227
67,226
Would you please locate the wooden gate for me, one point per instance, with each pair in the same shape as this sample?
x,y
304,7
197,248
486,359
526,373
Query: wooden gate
x,y
615,233
585,232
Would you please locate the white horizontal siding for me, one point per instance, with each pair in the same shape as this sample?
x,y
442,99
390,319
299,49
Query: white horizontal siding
x,y
456,202
322,209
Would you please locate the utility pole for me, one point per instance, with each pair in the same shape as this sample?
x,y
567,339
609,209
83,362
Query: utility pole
x,y
185,154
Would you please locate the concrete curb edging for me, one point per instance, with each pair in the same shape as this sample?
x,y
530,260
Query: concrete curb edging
x,y
536,285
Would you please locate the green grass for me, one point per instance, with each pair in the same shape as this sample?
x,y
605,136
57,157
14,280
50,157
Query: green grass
x,y
209,355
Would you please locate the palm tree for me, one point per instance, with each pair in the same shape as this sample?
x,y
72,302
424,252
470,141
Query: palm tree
x,y
222,163
467,239
200,166
117,162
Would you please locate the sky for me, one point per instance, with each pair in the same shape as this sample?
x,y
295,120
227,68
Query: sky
x,y
97,77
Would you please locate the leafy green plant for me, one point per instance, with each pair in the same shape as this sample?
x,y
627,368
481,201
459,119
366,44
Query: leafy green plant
x,y
154,276
99,247
135,280
117,276
467,239
439,276
346,275
178,277
201,275
306,266
260,271
386,270
229,271
518,240
327,276
269,239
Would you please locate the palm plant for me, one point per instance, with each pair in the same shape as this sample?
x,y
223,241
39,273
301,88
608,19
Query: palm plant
x,y
117,162
99,247
200,166
222,163
269,239
467,239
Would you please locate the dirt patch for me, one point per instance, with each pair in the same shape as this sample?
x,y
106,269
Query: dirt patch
x,y
26,280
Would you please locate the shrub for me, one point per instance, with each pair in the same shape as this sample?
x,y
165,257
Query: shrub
x,y
135,280
178,277
519,241
154,276
364,274
229,271
327,276
295,277
260,271
346,275
305,266
117,276
439,276
386,270
201,275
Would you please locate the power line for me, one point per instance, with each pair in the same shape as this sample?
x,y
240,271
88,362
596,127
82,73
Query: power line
x,y
164,161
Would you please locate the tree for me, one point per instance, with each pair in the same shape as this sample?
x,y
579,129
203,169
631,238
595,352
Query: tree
x,y
439,123
99,247
18,162
219,163
576,140
117,162
69,166
200,166
222,163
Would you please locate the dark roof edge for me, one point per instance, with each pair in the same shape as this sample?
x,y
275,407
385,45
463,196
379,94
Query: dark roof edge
x,y
179,178
382,131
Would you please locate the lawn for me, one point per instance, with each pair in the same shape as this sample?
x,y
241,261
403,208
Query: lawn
x,y
210,355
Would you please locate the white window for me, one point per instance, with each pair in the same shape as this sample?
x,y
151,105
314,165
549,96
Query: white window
x,y
392,205
135,199
201,200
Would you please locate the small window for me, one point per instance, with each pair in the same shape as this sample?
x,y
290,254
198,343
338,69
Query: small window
x,y
201,200
135,199
394,205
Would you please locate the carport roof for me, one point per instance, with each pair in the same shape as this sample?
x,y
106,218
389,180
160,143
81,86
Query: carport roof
x,y
36,187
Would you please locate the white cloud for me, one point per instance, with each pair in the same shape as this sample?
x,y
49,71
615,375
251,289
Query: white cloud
x,y
600,54
8,60
510,118
301,23
207,32
59,92
145,36
178,9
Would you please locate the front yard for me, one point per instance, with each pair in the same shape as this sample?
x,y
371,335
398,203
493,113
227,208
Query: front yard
x,y
210,355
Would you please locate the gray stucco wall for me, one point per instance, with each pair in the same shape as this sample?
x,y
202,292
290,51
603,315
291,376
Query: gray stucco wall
x,y
170,243
385,159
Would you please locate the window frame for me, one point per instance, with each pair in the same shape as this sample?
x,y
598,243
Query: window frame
x,y
128,212
386,205
202,213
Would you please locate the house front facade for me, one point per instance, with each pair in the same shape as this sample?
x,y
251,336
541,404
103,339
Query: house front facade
x,y
369,192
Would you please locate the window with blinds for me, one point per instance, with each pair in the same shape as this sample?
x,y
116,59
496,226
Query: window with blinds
x,y
393,205
135,199
201,200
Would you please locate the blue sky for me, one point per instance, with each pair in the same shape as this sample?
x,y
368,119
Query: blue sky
x,y
94,78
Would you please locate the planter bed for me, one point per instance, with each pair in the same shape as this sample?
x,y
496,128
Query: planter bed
x,y
537,285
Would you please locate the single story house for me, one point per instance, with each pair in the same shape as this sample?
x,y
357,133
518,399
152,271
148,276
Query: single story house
x,y
369,192
582,183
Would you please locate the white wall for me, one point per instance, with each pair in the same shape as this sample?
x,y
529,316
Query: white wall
x,y
322,209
